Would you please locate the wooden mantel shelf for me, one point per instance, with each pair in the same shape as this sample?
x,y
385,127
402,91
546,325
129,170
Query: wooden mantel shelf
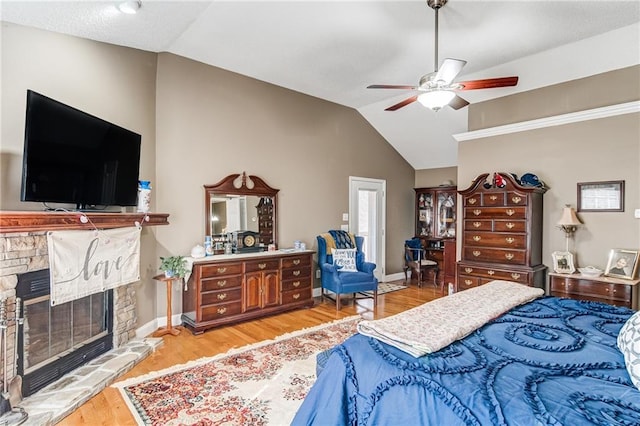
x,y
31,221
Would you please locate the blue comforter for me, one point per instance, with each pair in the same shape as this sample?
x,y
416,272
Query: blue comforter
x,y
549,362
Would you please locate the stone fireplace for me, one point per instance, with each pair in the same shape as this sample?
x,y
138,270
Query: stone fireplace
x,y
25,255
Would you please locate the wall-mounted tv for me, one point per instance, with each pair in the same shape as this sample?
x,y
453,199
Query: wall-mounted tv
x,y
73,157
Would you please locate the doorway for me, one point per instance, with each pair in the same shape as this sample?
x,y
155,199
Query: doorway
x,y
367,211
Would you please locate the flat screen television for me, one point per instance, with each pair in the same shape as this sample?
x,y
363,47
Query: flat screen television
x,y
73,157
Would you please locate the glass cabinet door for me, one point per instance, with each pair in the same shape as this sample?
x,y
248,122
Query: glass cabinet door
x,y
424,214
446,215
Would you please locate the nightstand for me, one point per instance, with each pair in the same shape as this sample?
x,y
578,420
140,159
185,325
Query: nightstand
x,y
614,291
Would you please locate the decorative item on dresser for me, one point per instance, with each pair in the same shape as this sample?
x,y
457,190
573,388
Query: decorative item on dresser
x,y
501,232
227,289
435,221
614,291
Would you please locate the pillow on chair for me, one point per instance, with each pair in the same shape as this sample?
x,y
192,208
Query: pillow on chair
x,y
344,259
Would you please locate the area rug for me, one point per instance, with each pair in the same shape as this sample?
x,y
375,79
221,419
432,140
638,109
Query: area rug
x,y
260,384
387,288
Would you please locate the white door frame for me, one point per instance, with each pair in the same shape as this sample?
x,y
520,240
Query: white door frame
x,y
380,187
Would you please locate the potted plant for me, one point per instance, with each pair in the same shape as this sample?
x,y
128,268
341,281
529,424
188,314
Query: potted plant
x,y
173,266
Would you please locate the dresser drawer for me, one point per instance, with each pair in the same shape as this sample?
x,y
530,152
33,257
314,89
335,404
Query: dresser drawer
x,y
262,265
221,283
594,290
478,225
495,239
515,257
222,310
467,282
516,199
494,273
294,296
474,200
294,273
509,226
296,284
495,213
497,199
224,296
294,262
220,269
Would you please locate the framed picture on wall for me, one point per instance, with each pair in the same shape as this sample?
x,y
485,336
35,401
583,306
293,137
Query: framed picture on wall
x,y
601,196
563,262
622,264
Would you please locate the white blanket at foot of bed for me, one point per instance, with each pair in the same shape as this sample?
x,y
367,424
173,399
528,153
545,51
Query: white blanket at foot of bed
x,y
436,324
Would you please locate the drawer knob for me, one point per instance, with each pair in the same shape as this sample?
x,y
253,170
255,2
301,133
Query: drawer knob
x,y
222,283
262,265
509,256
476,253
468,282
516,199
472,201
477,238
468,270
296,296
222,270
296,283
510,212
515,276
296,273
493,197
221,311
477,224
477,212
222,296
491,272
510,225
296,261
510,240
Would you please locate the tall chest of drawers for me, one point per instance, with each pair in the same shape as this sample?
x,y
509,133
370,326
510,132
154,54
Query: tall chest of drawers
x,y
501,233
227,289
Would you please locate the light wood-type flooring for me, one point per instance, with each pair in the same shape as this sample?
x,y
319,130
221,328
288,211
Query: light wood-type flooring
x,y
108,408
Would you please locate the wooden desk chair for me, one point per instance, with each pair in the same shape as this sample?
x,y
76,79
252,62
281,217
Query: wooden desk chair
x,y
415,259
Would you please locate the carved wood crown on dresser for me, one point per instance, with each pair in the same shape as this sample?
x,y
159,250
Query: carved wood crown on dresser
x,y
233,288
501,233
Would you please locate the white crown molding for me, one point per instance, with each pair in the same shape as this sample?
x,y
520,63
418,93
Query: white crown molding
x,y
557,120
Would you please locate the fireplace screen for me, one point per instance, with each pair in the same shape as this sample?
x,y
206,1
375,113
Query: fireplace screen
x,y
53,331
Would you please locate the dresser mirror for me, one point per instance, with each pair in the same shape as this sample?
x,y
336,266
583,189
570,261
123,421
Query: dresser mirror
x,y
242,204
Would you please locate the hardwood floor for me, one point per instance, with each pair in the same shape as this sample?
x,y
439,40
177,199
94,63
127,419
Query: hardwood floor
x,y
108,408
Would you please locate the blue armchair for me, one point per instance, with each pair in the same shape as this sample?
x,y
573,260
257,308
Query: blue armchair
x,y
339,282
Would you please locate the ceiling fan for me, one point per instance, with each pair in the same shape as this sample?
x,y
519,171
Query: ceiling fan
x,y
437,89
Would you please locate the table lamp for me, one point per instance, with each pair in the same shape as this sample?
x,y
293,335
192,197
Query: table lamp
x,y
569,222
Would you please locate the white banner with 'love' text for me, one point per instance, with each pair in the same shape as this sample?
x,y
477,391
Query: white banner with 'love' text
x,y
86,262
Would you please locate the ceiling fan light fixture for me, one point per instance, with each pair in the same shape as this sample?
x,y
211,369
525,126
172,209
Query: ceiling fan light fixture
x,y
436,99
129,7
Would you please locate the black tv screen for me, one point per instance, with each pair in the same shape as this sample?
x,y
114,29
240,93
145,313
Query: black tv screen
x,y
73,157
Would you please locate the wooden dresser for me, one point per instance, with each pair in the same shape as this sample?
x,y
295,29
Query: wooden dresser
x,y
227,289
614,291
501,233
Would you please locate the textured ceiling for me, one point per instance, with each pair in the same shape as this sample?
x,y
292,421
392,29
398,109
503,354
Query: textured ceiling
x,y
334,49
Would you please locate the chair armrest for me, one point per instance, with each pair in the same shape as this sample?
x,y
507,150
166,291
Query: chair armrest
x,y
368,267
329,268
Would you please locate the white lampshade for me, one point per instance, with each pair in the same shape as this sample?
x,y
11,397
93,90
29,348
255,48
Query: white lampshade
x,y
569,217
436,99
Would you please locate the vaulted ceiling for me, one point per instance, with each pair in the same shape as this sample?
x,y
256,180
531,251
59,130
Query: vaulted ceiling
x,y
334,49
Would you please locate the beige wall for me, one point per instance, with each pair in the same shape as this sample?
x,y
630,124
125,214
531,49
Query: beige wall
x,y
114,83
435,177
561,156
212,123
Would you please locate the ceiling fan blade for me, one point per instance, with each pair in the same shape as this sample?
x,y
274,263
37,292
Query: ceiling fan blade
x,y
402,104
449,69
391,86
488,83
457,102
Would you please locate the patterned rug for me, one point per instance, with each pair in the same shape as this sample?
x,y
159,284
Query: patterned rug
x,y
261,384
388,288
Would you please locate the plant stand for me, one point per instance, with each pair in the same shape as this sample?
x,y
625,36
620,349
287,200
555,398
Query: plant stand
x,y
169,329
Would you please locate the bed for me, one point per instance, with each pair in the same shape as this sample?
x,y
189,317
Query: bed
x,y
548,361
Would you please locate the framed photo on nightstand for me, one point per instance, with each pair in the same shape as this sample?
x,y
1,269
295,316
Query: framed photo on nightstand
x,y
563,262
622,264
